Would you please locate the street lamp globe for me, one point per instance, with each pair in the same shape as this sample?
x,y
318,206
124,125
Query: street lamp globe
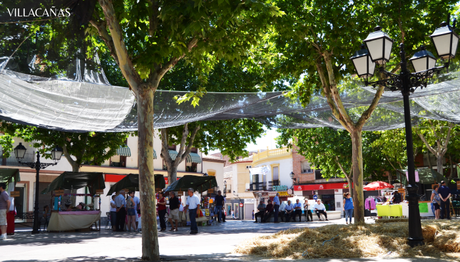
x,y
423,60
379,45
445,41
363,63
20,151
56,154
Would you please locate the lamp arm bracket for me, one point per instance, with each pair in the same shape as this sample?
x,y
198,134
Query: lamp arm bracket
x,y
35,164
394,82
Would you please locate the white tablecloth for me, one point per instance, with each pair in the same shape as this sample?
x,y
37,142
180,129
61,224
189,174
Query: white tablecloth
x,y
71,220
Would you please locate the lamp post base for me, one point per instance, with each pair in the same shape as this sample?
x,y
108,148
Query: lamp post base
x,y
413,242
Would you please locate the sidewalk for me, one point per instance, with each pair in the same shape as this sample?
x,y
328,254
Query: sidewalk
x,y
213,243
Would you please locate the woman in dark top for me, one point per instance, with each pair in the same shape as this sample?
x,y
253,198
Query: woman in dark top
x,y
162,210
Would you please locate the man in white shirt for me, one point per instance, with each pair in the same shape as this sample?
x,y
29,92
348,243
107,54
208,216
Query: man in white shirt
x,y
192,204
137,202
282,211
320,209
113,213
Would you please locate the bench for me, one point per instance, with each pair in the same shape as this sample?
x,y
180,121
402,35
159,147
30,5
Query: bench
x,y
330,215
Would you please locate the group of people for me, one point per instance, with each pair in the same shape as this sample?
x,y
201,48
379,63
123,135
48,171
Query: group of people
x,y
124,211
441,201
287,211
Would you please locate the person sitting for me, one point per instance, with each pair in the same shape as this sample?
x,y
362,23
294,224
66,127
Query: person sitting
x,y
307,211
289,211
396,197
268,211
261,209
298,210
320,209
282,211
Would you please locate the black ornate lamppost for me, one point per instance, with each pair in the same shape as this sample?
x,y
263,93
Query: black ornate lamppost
x,y
20,152
379,45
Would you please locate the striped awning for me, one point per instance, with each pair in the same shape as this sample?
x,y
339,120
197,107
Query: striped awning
x,y
124,151
193,158
154,154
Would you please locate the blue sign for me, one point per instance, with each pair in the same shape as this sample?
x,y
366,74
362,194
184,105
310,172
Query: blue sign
x,y
315,197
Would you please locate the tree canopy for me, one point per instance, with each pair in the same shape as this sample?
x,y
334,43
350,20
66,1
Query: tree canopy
x,y
78,148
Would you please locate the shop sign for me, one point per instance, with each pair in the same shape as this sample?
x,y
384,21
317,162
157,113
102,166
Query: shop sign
x,y
166,180
241,204
458,185
181,193
59,192
283,194
100,191
280,188
315,197
321,186
211,190
14,194
289,191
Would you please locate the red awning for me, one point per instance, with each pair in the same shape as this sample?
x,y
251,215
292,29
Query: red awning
x,y
113,178
342,185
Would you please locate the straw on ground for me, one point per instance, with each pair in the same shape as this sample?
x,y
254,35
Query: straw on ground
x,y
442,240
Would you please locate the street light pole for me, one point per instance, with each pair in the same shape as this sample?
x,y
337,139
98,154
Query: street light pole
x,y
415,226
20,151
378,52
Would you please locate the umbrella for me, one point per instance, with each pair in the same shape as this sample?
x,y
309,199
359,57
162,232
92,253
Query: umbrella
x,y
377,185
131,182
199,183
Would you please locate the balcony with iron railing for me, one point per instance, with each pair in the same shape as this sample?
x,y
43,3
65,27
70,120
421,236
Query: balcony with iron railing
x,y
264,186
270,153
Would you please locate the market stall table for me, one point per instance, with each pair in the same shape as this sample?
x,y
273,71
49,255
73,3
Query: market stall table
x,y
72,220
424,207
389,211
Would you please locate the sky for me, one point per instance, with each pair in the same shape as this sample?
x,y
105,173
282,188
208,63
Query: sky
x,y
268,139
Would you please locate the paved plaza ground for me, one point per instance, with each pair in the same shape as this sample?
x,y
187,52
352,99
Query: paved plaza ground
x,y
213,243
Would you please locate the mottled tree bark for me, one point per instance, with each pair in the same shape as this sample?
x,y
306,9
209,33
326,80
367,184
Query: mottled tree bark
x,y
150,248
358,196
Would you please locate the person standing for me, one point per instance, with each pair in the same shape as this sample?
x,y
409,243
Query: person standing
x,y
137,208
192,204
436,200
320,209
307,211
120,201
4,207
173,210
130,210
298,210
219,205
444,191
161,205
113,213
348,206
276,206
